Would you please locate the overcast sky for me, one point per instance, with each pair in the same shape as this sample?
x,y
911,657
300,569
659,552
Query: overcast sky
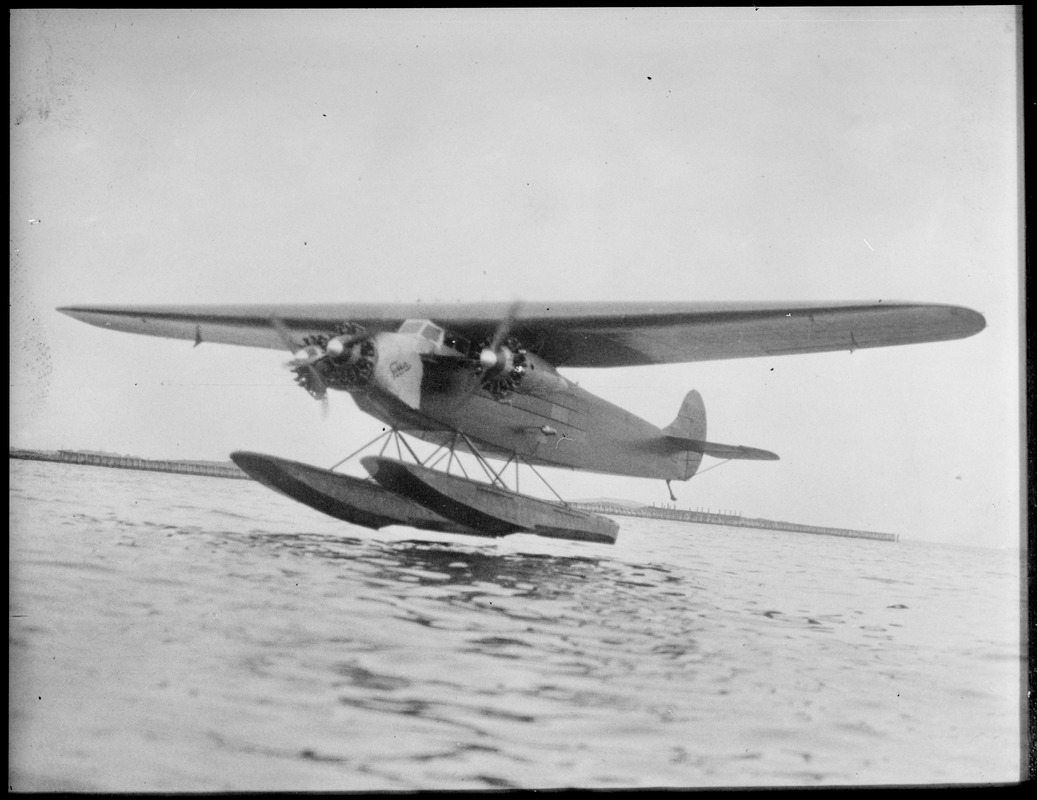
x,y
685,154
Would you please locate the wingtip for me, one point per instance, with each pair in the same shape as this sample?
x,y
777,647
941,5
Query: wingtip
x,y
70,311
81,313
967,322
976,321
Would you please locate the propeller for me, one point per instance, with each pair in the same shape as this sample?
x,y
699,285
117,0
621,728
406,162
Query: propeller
x,y
494,354
501,361
344,361
335,349
340,345
503,328
305,359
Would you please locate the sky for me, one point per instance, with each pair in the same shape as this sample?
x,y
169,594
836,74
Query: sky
x,y
670,154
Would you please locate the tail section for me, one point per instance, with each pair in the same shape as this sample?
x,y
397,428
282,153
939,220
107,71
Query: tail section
x,y
687,434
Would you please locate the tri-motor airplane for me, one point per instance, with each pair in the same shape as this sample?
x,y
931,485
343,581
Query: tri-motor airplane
x,y
482,379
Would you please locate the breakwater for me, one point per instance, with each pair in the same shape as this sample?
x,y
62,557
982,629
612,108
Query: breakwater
x,y
730,520
214,469
210,469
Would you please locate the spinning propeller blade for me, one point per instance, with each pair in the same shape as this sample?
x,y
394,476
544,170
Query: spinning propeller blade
x,y
504,328
284,333
305,359
492,356
501,362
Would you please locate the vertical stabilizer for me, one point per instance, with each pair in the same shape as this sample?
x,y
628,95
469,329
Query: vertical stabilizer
x,y
691,419
690,424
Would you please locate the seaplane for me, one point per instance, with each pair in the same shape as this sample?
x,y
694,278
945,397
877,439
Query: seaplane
x,y
482,379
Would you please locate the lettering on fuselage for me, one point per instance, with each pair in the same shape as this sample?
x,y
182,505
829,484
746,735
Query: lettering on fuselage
x,y
398,368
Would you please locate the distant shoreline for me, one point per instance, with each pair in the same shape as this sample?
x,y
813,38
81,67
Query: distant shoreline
x,y
213,469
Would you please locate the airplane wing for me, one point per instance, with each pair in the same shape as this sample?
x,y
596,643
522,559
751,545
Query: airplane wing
x,y
574,334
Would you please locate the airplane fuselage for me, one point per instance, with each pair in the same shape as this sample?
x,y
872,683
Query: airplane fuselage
x,y
564,427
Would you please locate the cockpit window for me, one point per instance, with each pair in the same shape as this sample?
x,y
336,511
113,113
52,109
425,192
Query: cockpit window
x,y
435,334
432,332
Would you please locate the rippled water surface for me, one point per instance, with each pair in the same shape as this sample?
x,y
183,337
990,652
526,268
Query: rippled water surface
x,y
179,633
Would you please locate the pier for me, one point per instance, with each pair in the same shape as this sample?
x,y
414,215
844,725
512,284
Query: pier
x,y
730,520
209,469
214,469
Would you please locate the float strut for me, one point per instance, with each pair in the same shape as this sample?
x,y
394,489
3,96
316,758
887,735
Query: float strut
x,y
375,439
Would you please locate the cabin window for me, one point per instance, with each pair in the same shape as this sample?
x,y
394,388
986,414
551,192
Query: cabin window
x,y
411,326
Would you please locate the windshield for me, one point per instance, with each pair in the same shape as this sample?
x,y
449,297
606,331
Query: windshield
x,y
411,326
432,332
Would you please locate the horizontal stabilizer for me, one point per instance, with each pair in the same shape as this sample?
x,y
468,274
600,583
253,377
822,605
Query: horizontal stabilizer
x,y
725,451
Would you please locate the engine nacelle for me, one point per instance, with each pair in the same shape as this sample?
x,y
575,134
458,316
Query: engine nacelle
x,y
539,377
345,361
511,368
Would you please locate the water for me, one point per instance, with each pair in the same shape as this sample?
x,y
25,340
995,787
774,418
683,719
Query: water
x,y
180,633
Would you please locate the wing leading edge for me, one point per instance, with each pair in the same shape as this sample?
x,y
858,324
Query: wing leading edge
x,y
575,334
